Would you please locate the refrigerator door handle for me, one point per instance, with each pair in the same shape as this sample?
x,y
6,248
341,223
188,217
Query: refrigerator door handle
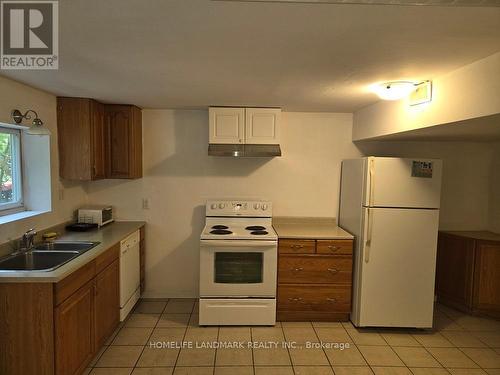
x,y
368,241
372,181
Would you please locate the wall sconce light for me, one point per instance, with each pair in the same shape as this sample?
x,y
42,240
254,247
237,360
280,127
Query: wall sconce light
x,y
36,127
394,90
419,93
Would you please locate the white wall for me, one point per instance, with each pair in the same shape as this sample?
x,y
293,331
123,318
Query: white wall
x,y
14,95
179,177
468,92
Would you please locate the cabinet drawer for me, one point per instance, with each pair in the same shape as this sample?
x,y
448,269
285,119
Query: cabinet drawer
x,y
332,298
297,246
334,247
314,269
106,258
74,281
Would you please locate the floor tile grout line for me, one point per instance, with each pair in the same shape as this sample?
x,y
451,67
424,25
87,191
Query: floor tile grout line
x,y
323,349
149,338
253,358
287,347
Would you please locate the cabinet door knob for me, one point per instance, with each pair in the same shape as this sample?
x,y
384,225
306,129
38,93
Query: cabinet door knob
x,y
297,269
295,299
296,246
333,270
332,300
333,248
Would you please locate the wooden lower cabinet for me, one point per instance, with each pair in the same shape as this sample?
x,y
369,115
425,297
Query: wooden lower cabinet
x,y
107,302
314,280
467,272
57,328
74,331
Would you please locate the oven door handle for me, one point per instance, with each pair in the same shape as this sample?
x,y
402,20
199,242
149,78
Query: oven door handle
x,y
237,243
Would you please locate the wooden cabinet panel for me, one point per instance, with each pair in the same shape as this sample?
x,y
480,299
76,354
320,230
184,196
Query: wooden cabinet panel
x,y
487,278
107,302
334,247
262,125
292,246
467,275
74,331
98,141
226,125
124,151
74,138
74,281
332,298
314,269
26,330
106,258
98,131
454,269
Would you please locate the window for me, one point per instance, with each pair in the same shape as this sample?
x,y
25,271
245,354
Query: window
x,y
11,196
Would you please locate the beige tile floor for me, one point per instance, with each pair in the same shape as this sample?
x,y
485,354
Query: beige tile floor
x,y
459,344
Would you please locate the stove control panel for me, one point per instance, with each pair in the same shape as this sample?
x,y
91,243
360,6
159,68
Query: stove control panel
x,y
239,208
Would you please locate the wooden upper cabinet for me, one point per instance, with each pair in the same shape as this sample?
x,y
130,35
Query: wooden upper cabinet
x,y
98,131
226,125
262,125
124,151
244,125
98,141
80,129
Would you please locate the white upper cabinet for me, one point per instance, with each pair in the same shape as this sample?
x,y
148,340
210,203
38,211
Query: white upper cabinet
x,y
244,125
227,125
262,125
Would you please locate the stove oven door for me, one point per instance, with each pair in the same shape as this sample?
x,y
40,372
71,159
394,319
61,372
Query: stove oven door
x,y
238,268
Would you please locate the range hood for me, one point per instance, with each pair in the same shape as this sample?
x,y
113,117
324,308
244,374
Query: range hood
x,y
244,150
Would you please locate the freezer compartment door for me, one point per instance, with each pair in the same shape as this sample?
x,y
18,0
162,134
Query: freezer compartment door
x,y
397,182
397,268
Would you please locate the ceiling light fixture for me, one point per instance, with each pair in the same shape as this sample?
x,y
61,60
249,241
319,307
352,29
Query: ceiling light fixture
x,y
36,127
394,90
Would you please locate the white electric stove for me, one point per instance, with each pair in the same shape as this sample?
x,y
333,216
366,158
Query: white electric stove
x,y
238,264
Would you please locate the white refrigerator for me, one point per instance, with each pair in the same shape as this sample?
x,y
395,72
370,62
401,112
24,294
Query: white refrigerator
x,y
391,205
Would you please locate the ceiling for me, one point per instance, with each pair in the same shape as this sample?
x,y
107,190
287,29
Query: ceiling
x,y
300,56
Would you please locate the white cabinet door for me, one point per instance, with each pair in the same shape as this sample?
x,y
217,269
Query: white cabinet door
x,y
227,125
262,125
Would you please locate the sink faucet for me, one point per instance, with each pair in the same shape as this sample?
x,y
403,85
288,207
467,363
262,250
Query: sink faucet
x,y
27,241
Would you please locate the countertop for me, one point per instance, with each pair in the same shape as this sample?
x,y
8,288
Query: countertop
x,y
476,234
309,227
107,236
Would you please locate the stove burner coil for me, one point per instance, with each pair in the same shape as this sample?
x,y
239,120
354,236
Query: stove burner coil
x,y
219,227
220,231
259,232
255,227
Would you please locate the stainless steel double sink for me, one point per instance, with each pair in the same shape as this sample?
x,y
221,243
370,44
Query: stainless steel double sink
x,y
46,256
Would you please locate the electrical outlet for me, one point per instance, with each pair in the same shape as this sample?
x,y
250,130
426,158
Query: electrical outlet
x,y
145,203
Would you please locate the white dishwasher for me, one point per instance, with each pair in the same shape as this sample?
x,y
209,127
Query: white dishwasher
x,y
129,273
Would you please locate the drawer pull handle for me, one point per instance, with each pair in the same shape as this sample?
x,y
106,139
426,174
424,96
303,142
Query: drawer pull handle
x,y
295,299
333,270
333,248
297,269
296,246
332,300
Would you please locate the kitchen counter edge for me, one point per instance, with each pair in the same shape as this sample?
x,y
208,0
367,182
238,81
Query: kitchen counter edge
x,y
108,236
309,228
